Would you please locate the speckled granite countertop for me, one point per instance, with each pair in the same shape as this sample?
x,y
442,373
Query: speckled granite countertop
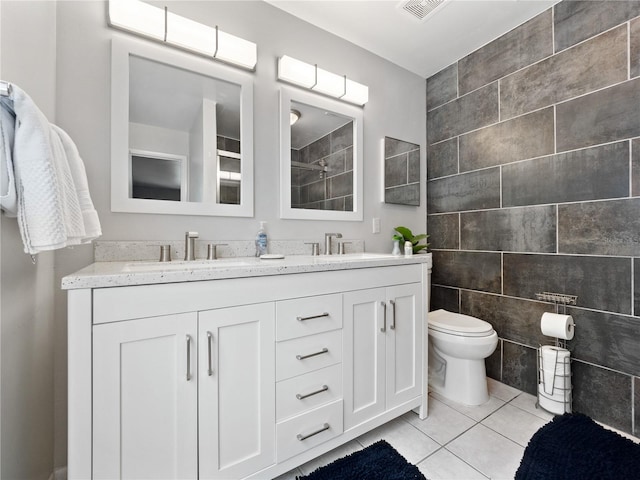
x,y
118,274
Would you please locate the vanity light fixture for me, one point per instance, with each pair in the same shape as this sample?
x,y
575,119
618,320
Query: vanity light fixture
x,y
294,116
303,74
159,24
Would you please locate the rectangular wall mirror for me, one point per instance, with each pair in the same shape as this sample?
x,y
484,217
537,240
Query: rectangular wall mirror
x,y
181,133
320,157
401,172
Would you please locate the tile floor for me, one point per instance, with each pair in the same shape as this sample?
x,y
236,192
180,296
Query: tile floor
x,y
455,441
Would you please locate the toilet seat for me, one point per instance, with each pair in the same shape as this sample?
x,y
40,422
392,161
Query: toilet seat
x,y
458,324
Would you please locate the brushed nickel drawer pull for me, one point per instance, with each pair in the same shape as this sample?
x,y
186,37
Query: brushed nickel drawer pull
x,y
311,317
188,358
302,397
302,357
324,428
384,317
393,313
209,342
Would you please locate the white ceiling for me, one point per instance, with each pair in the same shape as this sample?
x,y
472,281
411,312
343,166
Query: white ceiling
x,y
455,29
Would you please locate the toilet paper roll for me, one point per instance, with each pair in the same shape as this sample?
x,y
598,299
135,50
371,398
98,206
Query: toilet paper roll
x,y
557,325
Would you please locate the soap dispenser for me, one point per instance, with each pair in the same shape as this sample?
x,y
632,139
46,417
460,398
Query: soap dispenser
x,y
261,240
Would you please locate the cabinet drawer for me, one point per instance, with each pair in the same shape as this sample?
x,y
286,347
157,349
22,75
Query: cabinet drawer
x,y
306,354
309,315
300,394
303,432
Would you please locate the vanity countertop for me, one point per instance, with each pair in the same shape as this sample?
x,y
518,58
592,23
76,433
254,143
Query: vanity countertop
x,y
119,274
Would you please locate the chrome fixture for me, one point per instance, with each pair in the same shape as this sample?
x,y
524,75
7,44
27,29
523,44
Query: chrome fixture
x,y
165,253
190,245
212,250
327,241
341,249
315,248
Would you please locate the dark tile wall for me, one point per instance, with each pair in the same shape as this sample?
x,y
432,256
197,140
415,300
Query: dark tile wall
x,y
332,190
401,172
533,184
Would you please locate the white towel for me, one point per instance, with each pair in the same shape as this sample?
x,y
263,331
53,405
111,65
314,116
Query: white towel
x,y
50,213
8,195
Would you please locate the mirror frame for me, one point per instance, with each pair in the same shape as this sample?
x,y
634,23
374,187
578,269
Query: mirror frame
x,y
121,50
286,97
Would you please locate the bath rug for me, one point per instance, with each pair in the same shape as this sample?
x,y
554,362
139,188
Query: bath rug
x,y
379,461
574,447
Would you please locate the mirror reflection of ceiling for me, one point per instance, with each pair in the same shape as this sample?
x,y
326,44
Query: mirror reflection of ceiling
x,y
151,80
313,124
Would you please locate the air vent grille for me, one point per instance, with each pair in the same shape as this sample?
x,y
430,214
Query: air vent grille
x,y
421,8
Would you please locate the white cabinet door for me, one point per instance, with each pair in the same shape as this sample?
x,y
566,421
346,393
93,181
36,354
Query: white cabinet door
x,y
145,398
237,390
404,344
364,355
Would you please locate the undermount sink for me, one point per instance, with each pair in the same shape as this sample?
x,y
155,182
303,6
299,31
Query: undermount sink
x,y
185,265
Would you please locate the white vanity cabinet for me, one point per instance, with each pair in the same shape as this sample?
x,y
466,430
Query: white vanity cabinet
x,y
383,336
242,376
168,388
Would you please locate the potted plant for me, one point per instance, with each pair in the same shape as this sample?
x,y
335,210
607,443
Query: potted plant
x,y
408,236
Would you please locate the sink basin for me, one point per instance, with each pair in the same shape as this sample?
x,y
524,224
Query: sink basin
x,y
185,265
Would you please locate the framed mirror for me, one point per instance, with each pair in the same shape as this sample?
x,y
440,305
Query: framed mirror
x,y
181,133
401,172
320,157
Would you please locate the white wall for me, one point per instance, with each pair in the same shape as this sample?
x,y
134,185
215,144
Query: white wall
x,y
27,58
396,108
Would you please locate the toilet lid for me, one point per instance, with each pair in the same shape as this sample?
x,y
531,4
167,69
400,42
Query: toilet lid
x,y
458,324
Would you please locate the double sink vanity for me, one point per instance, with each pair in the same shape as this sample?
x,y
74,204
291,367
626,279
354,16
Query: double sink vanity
x,y
239,367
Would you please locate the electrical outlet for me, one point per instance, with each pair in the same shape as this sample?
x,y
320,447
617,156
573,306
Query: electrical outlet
x,y
376,225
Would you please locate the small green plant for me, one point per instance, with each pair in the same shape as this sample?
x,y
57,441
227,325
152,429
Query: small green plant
x,y
406,235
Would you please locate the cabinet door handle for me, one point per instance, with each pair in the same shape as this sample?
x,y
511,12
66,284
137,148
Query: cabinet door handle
x,y
209,342
384,317
309,355
324,428
188,357
311,317
299,396
393,314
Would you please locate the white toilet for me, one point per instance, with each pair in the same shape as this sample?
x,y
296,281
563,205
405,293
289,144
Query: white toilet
x,y
458,345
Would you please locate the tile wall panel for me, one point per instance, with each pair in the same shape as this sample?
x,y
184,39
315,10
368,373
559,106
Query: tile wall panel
x,y
635,167
442,87
604,116
588,174
474,110
442,159
481,167
444,297
566,75
602,283
606,339
602,394
473,270
447,231
469,191
636,406
518,48
634,38
513,319
524,137
600,228
404,195
519,365
575,21
527,229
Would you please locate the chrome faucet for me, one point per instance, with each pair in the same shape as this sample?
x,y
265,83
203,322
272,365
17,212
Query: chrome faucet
x,y
190,245
327,241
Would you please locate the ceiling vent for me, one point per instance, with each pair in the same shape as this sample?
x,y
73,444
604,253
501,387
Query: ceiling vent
x,y
421,9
